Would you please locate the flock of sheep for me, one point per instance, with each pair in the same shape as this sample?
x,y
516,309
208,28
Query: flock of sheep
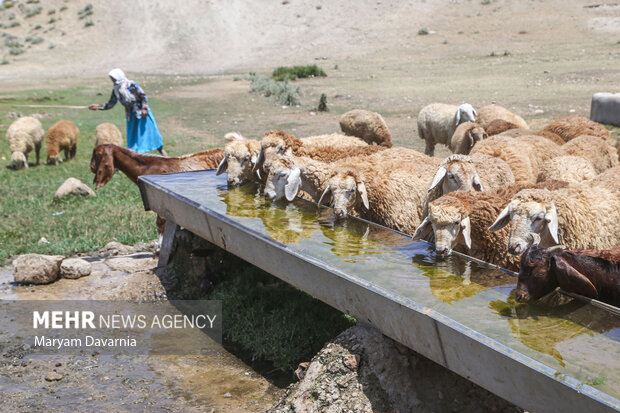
x,y
26,134
507,188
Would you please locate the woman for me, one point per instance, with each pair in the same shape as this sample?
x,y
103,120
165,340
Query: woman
x,y
142,132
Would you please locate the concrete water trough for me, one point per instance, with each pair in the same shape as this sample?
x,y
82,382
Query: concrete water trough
x,y
456,312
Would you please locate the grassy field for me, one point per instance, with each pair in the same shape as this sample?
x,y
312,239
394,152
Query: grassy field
x,y
28,211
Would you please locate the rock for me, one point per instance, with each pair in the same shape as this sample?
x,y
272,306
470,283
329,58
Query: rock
x,y
116,248
73,186
605,108
36,268
75,268
228,395
53,376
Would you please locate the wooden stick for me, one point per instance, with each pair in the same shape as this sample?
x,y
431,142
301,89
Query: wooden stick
x,y
50,106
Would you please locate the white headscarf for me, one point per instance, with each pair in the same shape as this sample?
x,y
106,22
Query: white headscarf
x,y
121,85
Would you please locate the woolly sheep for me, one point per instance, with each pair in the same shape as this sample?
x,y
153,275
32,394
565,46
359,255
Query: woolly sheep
x,y
573,126
108,133
579,216
62,135
609,179
366,125
438,121
525,156
24,135
465,137
517,132
598,150
462,218
497,126
489,113
240,157
567,168
279,143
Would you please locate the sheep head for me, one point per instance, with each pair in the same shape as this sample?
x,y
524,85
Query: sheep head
x,y
276,144
18,160
283,180
240,158
448,222
532,217
535,278
475,134
456,173
465,113
102,164
347,189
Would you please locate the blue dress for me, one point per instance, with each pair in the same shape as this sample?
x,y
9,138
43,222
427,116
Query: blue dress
x,y
142,132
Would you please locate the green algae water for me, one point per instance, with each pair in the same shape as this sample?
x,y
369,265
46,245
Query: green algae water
x,y
574,338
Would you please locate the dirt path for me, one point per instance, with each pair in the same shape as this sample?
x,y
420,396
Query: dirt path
x,y
214,382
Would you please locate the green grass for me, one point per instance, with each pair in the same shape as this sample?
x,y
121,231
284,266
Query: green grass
x,y
295,72
28,211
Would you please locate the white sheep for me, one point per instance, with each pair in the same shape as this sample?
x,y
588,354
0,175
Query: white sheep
x,y
24,135
240,158
366,125
438,121
567,168
578,216
108,133
489,113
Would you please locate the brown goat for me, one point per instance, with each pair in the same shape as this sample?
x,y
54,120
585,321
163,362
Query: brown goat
x,y
62,135
591,273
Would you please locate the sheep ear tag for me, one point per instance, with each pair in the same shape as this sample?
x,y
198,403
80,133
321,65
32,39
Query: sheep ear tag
x,y
222,167
292,184
466,231
572,280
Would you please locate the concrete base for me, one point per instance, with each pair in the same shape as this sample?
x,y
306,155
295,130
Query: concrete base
x,y
605,108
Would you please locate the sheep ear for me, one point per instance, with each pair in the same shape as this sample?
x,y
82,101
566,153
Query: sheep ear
x,y
441,173
551,217
474,111
458,116
572,280
476,183
424,230
324,194
502,220
222,167
233,136
361,189
466,231
293,183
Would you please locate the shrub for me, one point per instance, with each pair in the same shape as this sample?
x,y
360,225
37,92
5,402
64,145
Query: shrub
x,y
294,72
34,40
423,31
12,16
14,24
85,12
51,11
63,8
4,61
7,4
89,23
16,50
30,12
282,91
323,103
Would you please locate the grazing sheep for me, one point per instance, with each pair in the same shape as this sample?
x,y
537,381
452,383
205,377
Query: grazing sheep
x,y
240,157
62,135
572,126
525,156
465,137
108,133
497,126
600,151
489,113
462,218
514,133
279,143
591,273
438,121
24,135
609,179
366,125
567,168
579,216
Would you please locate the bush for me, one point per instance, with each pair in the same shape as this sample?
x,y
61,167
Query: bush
x,y
323,103
34,40
294,72
423,31
16,51
63,8
30,12
89,23
85,12
282,91
4,61
7,4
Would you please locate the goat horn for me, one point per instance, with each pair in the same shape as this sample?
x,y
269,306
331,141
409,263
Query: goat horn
x,y
323,195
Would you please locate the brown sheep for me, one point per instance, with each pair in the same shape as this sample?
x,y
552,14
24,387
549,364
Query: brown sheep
x,y
514,133
366,125
489,113
598,150
497,126
62,135
572,126
465,137
108,133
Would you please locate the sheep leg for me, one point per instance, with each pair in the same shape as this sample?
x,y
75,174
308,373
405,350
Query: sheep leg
x,y
66,154
430,147
37,149
73,150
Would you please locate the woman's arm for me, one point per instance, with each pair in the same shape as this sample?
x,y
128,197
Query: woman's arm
x,y
110,104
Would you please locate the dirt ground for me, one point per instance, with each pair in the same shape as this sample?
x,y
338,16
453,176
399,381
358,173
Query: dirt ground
x,y
216,381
